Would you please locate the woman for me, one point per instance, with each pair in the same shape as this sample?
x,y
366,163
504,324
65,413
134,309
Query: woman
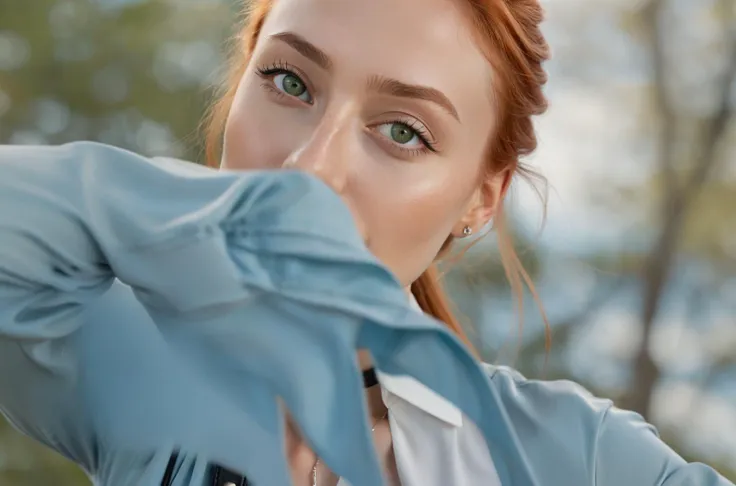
x,y
247,292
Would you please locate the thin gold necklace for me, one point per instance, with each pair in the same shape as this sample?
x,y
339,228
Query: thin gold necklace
x,y
316,463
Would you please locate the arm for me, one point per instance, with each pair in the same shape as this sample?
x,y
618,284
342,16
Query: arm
x,y
77,215
73,218
630,452
264,271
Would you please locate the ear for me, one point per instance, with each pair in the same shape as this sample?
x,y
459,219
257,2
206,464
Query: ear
x,y
484,203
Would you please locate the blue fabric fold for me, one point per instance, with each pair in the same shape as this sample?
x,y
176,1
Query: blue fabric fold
x,y
148,307
259,286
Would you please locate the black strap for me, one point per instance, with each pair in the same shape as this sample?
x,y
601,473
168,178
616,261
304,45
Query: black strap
x,y
369,378
220,476
223,477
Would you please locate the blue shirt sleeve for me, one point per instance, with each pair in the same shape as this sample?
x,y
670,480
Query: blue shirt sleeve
x,y
629,451
258,286
569,437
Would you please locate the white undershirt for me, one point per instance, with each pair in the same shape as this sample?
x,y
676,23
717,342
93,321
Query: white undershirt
x,y
434,443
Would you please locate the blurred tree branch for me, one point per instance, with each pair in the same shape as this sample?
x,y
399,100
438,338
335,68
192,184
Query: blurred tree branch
x,y
563,329
676,197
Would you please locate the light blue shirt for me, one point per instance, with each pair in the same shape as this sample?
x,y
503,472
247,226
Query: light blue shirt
x,y
151,307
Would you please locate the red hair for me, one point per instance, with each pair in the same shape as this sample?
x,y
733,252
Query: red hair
x,y
508,32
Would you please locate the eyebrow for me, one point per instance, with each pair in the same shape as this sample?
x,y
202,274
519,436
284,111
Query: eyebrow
x,y
305,48
394,87
379,84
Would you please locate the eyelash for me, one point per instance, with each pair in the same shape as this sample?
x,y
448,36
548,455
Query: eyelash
x,y
283,67
280,67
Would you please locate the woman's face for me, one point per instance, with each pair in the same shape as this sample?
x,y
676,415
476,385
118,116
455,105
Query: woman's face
x,y
387,101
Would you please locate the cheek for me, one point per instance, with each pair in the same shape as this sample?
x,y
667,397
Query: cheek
x,y
257,134
414,215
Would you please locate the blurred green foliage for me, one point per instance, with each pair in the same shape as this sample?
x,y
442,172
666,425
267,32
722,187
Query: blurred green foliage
x,y
133,74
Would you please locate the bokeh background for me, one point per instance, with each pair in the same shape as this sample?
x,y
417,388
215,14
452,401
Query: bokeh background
x,y
636,264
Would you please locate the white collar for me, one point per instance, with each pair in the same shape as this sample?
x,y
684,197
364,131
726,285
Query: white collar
x,y
422,397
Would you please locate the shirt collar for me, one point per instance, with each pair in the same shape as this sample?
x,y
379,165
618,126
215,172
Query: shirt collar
x,y
419,395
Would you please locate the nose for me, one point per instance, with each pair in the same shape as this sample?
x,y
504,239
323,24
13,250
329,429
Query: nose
x,y
326,153
329,154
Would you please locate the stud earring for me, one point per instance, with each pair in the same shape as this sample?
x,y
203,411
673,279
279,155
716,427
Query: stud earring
x,y
467,231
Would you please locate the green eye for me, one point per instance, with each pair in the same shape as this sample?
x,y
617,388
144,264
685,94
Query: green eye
x,y
401,133
292,85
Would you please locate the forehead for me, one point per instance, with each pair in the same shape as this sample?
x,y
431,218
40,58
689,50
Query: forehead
x,y
426,42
